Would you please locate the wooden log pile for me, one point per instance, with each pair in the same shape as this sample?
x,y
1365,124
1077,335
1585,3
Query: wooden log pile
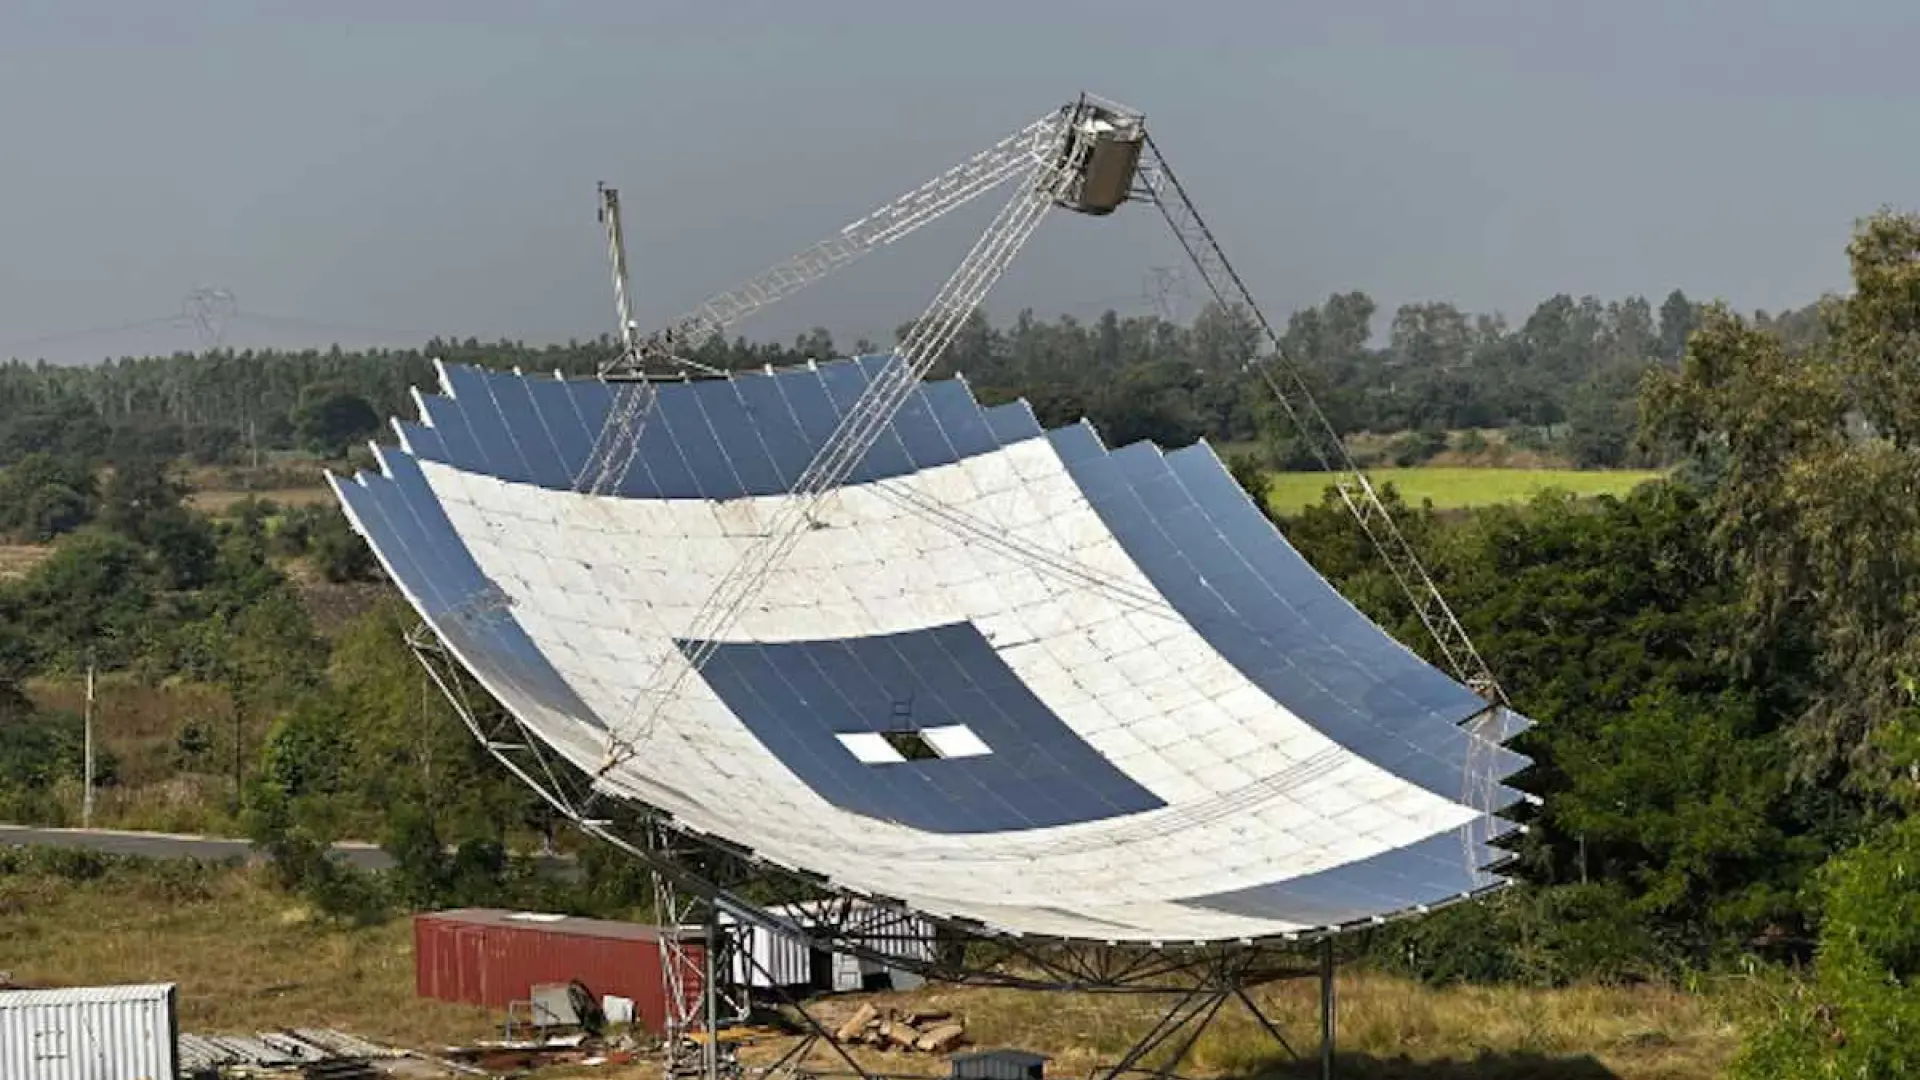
x,y
915,1032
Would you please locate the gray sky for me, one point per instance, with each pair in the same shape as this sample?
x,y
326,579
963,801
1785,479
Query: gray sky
x,y
394,168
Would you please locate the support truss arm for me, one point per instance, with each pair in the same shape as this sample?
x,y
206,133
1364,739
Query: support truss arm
x,y
930,201
619,436
1290,388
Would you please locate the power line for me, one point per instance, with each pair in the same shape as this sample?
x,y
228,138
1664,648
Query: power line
x,y
11,347
292,321
210,312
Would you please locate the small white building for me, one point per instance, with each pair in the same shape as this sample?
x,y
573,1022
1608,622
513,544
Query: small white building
x,y
765,959
90,1033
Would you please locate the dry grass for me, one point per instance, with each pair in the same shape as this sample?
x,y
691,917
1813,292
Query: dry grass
x,y
140,725
217,502
289,481
18,560
332,605
245,957
1387,1028
139,721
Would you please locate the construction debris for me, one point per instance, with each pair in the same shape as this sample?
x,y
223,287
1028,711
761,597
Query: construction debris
x,y
922,1032
306,1053
499,1057
856,1026
941,1039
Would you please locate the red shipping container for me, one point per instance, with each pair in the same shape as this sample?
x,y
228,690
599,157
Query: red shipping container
x,y
483,956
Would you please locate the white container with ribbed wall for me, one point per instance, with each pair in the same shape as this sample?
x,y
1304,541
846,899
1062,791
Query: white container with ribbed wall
x,y
89,1033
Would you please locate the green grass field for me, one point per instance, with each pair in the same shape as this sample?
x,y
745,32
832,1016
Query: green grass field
x,y
1452,488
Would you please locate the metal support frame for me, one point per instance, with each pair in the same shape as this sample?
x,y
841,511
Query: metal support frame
x,y
791,1063
1179,1029
929,202
617,262
710,994
673,911
1166,1045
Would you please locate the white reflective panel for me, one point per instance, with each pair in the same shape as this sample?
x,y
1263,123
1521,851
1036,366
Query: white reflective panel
x,y
955,741
870,748
1092,764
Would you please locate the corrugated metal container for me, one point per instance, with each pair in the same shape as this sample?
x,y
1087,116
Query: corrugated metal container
x,y
89,1033
764,959
1000,1065
484,956
789,961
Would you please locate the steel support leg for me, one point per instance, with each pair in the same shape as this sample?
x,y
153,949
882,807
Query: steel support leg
x,y
817,1033
710,996
1180,1028
1326,1009
1189,1008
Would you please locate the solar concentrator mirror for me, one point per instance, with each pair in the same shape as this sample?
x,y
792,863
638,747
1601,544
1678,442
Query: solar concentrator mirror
x,y
1175,728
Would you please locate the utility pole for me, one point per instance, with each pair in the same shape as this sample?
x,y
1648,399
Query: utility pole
x,y
236,756
86,800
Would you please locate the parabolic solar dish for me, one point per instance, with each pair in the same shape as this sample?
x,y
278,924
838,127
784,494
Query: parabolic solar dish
x,y
1008,675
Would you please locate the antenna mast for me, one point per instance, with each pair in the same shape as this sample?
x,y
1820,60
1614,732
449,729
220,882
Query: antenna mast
x,y
617,256
685,1013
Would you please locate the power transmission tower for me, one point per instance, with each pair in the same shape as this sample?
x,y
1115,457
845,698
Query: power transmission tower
x,y
211,310
1161,287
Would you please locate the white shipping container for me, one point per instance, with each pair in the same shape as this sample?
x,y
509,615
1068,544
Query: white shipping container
x,y
89,1033
777,959
787,960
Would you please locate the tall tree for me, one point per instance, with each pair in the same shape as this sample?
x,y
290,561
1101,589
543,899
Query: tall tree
x,y
1678,317
1431,338
1816,517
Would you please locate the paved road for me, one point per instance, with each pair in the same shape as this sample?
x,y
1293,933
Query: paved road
x,y
154,845
169,845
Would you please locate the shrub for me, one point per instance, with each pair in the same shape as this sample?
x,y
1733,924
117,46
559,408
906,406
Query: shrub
x,y
1537,936
1416,447
1859,1015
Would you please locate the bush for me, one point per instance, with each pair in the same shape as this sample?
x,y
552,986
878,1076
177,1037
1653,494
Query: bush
x,y
1859,1016
339,552
303,862
1536,936
1292,453
1416,447
1529,437
1251,475
67,865
42,757
42,497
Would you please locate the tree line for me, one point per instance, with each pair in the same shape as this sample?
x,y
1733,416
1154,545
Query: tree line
x,y
1567,374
